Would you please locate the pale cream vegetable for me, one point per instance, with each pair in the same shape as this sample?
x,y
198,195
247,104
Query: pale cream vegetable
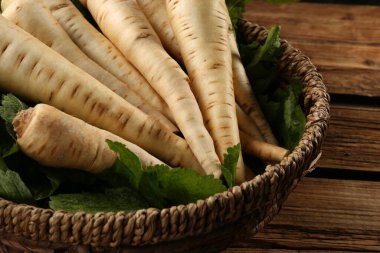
x,y
30,69
265,151
123,22
34,17
155,12
102,51
247,125
244,94
201,30
56,139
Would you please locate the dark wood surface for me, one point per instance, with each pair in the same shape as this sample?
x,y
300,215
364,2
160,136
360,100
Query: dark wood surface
x,y
336,208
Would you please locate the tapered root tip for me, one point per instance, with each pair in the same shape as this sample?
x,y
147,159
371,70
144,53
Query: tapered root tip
x,y
21,121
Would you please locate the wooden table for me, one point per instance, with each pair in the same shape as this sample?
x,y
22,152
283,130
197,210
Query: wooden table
x,y
336,208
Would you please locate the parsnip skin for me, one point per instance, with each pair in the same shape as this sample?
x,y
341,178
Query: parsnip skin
x,y
30,69
155,12
247,125
244,94
201,30
102,51
141,46
34,17
264,151
56,139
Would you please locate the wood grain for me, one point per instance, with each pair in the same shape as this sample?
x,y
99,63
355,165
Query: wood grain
x,y
353,139
342,41
323,215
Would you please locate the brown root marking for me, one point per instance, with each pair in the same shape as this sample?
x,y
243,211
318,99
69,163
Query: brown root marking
x,y
124,122
41,149
59,6
180,98
71,144
61,85
95,156
19,59
51,96
87,97
75,90
5,48
101,108
143,35
141,128
52,151
33,67
93,106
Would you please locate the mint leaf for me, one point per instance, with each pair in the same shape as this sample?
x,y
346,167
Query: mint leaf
x,y
182,186
6,141
229,166
12,187
10,106
279,100
111,200
161,185
294,118
12,150
236,9
130,163
152,189
271,46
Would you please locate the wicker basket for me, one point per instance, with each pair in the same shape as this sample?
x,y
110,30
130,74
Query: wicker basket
x,y
205,226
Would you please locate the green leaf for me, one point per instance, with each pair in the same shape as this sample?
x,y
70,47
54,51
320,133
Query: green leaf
x,y
229,167
130,163
160,185
182,186
6,141
13,150
268,51
236,9
294,118
33,175
12,187
151,188
111,200
10,106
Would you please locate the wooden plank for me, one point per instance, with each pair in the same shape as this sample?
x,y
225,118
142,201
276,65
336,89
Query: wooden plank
x,y
351,24
343,42
353,139
323,215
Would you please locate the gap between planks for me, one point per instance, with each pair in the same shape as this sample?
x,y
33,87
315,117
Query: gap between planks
x,y
353,139
342,41
322,215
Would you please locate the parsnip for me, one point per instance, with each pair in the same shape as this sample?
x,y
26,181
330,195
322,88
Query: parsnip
x,y
247,125
264,151
35,18
56,139
201,30
155,12
244,94
30,69
103,52
123,22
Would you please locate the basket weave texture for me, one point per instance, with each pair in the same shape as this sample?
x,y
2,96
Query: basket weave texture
x,y
205,226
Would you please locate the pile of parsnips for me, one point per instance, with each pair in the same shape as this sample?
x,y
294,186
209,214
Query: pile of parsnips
x,y
159,67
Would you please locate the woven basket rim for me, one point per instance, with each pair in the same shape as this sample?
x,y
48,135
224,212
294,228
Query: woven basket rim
x,y
152,225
